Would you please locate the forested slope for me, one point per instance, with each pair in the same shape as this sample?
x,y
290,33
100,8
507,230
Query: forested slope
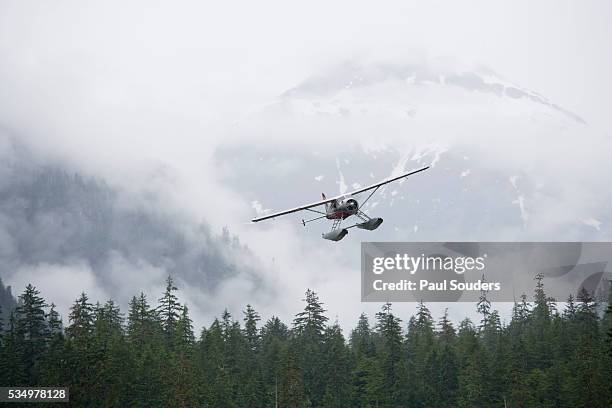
x,y
150,356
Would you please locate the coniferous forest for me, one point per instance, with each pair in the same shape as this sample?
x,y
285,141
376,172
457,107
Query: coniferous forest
x,y
151,356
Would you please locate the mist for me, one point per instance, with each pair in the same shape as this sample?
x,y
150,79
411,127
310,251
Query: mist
x,y
152,100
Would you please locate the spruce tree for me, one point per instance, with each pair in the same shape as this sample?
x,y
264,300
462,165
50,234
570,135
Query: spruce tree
x,y
523,310
290,386
142,322
473,380
274,336
217,383
111,356
336,369
587,312
274,328
108,324
447,365
570,310
53,362
181,374
539,328
311,321
169,310
81,362
422,357
446,330
54,320
32,330
366,383
392,388
254,387
81,319
607,322
361,339
587,360
541,307
184,338
1,342
484,307
12,368
251,317
309,326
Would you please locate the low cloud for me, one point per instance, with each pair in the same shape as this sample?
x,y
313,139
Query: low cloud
x,y
159,107
60,284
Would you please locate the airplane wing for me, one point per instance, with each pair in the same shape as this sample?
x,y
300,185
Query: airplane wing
x,y
381,183
328,200
296,209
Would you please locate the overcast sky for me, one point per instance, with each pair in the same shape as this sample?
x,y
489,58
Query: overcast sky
x,y
113,88
258,49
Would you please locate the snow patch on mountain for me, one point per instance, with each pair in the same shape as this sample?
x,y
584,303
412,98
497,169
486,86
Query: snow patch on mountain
x,y
592,222
259,209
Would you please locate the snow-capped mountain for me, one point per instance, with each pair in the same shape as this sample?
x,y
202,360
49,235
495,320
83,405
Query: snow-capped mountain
x,y
507,163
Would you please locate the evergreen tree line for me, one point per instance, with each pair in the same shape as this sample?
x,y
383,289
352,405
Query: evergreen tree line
x,y
543,357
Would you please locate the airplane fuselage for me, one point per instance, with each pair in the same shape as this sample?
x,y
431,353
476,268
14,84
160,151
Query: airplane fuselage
x,y
340,210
